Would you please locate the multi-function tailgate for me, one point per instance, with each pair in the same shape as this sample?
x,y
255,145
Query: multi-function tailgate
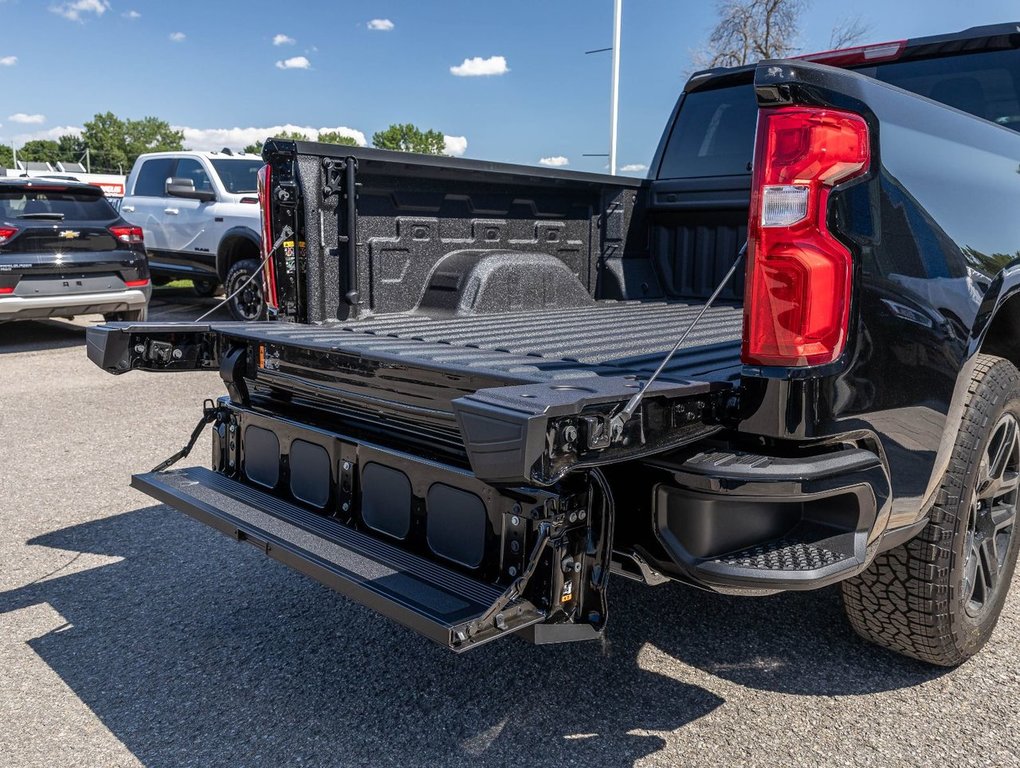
x,y
516,421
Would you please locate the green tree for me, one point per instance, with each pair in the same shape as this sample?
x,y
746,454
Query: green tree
x,y
6,156
334,137
150,134
407,137
105,136
70,148
256,148
39,151
114,144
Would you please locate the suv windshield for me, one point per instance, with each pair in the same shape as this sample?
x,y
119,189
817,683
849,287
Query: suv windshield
x,y
238,176
69,204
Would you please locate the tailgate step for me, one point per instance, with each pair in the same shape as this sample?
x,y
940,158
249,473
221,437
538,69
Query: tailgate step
x,y
437,602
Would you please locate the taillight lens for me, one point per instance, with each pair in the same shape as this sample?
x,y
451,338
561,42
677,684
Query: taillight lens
x,y
265,176
136,283
128,234
797,296
6,233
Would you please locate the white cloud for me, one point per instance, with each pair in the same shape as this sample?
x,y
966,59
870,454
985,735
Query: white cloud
x,y
479,67
75,11
381,25
455,146
294,62
282,39
634,168
132,15
177,37
236,138
556,161
8,61
21,117
48,133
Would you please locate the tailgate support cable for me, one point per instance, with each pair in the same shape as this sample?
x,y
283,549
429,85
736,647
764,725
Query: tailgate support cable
x,y
287,232
209,414
623,416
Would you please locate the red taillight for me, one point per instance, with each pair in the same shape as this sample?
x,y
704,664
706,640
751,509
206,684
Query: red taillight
x,y
8,289
797,296
269,272
128,234
6,233
136,283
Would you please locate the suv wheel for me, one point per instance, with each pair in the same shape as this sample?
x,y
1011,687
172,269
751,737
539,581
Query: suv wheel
x,y
248,304
206,288
938,596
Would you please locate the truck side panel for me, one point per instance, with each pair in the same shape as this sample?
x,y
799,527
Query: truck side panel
x,y
932,230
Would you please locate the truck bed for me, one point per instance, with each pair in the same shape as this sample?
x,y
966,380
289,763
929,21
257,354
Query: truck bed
x,y
606,338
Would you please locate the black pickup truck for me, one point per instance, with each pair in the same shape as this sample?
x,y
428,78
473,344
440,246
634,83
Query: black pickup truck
x,y
441,419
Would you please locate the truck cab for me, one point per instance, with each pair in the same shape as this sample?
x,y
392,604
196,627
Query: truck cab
x,y
199,212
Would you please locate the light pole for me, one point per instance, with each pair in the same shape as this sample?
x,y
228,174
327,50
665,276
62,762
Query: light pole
x,y
614,90
614,100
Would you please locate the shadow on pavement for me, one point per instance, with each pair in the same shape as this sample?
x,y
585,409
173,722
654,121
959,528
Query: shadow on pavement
x,y
167,305
182,304
34,335
193,649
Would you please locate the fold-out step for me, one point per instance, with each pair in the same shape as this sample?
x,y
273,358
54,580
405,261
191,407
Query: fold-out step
x,y
437,602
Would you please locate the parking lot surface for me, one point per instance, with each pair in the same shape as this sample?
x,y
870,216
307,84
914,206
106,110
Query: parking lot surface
x,y
132,635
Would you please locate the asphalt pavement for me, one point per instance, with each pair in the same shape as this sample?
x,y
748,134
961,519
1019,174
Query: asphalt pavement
x,y
132,635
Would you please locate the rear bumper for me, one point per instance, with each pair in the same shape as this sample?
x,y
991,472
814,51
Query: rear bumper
x,y
743,522
66,305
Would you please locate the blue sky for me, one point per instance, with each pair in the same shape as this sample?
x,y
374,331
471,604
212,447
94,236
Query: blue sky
x,y
213,65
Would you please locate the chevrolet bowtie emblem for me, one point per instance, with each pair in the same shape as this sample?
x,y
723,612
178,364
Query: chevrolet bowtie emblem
x,y
69,234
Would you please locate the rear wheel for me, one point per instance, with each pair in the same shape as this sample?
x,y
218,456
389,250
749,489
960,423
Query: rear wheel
x,y
129,316
938,596
244,280
206,288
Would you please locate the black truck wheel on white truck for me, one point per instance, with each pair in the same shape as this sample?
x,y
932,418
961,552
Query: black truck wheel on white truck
x,y
200,214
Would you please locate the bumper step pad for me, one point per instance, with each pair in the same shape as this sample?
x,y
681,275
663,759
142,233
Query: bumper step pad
x,y
437,602
784,555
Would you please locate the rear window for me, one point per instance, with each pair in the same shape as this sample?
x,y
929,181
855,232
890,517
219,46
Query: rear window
x,y
714,134
238,176
67,205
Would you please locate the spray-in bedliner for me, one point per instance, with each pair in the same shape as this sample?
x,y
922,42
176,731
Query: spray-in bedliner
x,y
536,345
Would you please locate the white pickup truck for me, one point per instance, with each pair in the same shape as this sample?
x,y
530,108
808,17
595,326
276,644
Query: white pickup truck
x,y
200,214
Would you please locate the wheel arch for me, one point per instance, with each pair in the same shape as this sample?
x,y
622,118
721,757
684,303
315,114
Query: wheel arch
x,y
1001,337
237,243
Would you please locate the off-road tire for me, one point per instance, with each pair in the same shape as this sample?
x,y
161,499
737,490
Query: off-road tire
x,y
249,304
916,599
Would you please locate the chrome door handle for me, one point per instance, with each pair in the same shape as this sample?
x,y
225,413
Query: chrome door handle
x,y
128,208
171,211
